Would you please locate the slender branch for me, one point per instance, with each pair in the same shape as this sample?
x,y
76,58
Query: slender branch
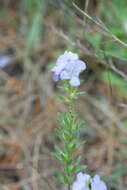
x,y
101,25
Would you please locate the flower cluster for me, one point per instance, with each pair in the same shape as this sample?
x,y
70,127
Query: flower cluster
x,y
85,182
68,67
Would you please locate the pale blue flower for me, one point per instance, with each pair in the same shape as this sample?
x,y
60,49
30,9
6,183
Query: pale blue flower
x,y
4,61
63,60
82,182
68,67
55,78
85,182
97,183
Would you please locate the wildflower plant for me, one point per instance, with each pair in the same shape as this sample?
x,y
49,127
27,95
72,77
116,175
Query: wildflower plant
x,y
68,68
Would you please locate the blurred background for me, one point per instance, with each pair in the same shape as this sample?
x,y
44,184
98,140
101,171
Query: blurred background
x,y
33,33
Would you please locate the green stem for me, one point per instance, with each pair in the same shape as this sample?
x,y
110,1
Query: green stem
x,y
69,187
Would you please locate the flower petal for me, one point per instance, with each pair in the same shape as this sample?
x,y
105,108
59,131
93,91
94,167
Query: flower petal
x,y
82,182
4,61
55,78
81,65
98,184
75,81
64,75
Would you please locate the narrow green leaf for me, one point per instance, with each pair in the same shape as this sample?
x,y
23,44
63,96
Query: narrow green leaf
x,y
66,100
81,169
78,161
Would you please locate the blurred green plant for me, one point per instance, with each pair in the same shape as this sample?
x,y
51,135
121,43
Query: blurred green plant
x,y
116,81
68,133
105,45
116,174
35,11
31,13
95,40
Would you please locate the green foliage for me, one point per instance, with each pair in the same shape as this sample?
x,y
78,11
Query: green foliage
x,y
125,122
31,7
117,174
35,9
95,40
113,15
32,12
114,9
73,92
68,2
116,81
68,133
